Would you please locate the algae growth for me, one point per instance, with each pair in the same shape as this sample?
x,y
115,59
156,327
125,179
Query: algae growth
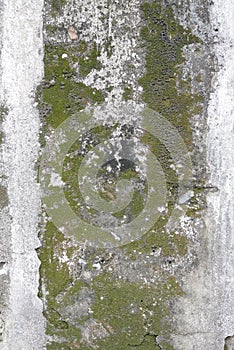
x,y
104,298
164,38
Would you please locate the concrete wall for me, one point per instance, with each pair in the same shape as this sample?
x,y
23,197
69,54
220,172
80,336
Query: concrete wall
x,y
125,133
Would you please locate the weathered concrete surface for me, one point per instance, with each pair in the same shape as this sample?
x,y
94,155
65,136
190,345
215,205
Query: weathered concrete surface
x,y
172,288
4,227
133,54
220,158
207,310
21,72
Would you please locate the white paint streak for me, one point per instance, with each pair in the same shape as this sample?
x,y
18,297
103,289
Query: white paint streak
x,y
22,71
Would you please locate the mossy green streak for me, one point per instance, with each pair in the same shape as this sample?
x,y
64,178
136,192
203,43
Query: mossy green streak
x,y
130,314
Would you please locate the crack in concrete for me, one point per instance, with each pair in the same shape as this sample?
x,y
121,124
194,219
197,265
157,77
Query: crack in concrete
x,y
158,344
148,334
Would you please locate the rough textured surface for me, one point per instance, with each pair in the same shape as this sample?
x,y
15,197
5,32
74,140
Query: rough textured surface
x,y
21,72
155,63
207,316
171,287
221,160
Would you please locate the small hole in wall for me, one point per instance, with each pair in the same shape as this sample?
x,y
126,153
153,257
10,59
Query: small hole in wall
x,y
2,264
229,343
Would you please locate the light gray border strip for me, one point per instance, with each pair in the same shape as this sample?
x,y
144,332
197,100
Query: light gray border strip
x,y
22,71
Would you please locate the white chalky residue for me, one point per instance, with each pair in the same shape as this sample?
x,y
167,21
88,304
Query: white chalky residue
x,y
115,28
21,72
55,180
115,72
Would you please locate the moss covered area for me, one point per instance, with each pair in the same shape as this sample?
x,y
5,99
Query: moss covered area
x,y
56,6
163,39
125,315
128,93
106,179
131,314
89,61
71,168
133,311
61,93
3,189
3,112
55,275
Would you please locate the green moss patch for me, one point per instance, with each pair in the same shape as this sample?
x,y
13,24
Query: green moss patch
x,y
61,92
90,61
132,311
163,39
121,314
57,6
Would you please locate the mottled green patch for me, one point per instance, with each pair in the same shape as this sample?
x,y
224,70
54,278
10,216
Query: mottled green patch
x,y
61,91
57,279
89,61
106,180
170,244
165,91
71,168
139,190
3,190
199,78
56,6
60,96
127,311
128,93
163,38
54,274
132,311
130,315
64,346
166,162
3,197
3,113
